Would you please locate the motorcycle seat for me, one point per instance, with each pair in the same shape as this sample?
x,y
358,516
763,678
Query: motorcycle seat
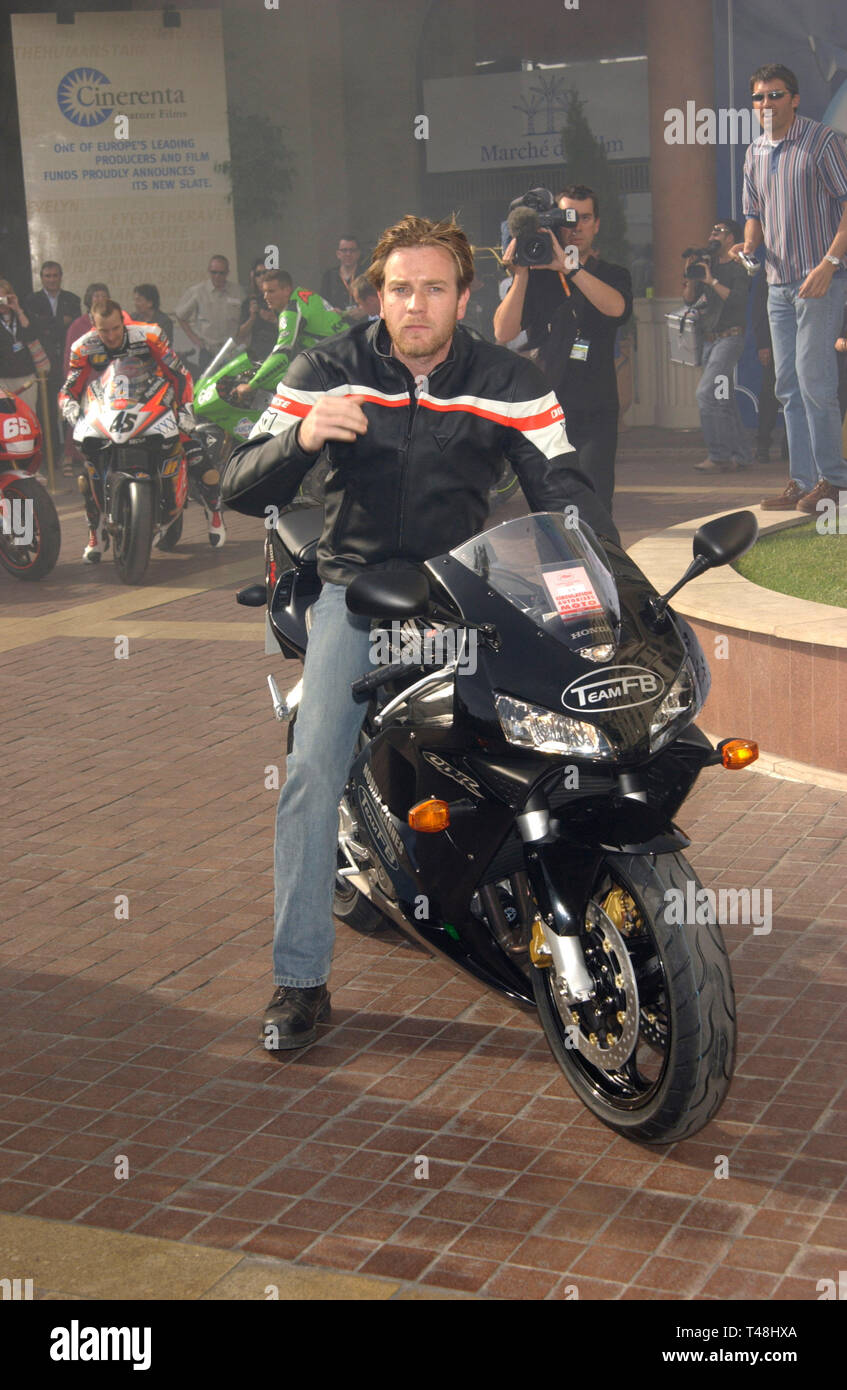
x,y
299,530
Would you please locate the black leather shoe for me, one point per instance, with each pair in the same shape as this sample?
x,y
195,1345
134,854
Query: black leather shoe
x,y
292,1016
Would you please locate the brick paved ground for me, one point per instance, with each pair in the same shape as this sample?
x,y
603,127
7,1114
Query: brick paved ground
x,y
145,778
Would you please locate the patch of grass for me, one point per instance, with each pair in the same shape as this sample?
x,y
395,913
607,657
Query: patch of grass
x,y
800,562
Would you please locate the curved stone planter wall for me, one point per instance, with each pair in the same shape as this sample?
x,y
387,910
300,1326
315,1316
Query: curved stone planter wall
x,y
783,680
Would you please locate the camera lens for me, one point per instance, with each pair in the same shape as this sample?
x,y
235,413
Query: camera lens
x,y
536,249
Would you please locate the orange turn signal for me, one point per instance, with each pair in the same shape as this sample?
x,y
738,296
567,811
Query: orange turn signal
x,y
738,752
430,816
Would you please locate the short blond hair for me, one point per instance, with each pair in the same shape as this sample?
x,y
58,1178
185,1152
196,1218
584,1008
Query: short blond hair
x,y
412,231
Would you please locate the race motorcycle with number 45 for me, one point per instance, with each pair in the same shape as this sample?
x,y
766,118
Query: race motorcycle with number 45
x,y
136,475
511,803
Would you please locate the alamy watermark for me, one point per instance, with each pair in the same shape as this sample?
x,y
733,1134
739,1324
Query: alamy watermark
x,y
728,125
17,1290
79,1342
832,516
828,1289
17,519
428,647
702,907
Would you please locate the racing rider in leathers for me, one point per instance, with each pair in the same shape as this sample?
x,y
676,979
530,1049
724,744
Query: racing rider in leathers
x,y
304,320
112,337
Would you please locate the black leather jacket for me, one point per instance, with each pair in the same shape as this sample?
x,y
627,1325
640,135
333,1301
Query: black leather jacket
x,y
417,483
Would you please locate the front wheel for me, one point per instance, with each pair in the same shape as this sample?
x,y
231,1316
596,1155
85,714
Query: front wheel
x,y
31,538
651,1053
134,531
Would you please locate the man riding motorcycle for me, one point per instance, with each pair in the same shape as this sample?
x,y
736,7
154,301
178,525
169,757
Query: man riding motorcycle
x,y
415,415
112,337
304,320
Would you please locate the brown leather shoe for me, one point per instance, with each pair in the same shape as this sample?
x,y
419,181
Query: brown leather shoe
x,y
823,492
786,501
712,466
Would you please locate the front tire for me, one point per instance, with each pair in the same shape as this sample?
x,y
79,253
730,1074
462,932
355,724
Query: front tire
x,y
38,557
664,997
135,527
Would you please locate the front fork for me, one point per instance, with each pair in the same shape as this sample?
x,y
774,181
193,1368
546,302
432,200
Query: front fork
x,y
562,877
100,490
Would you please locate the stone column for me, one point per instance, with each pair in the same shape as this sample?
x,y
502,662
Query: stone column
x,y
680,55
681,68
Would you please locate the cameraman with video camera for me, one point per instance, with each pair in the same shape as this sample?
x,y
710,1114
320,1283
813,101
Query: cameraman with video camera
x,y
712,276
571,304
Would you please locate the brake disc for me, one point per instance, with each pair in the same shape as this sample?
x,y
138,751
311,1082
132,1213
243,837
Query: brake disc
x,y
609,964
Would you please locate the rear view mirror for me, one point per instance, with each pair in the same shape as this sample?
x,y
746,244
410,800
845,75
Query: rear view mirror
x,y
718,542
726,538
389,594
253,596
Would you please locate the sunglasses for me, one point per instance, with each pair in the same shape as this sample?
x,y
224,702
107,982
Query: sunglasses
x,y
760,96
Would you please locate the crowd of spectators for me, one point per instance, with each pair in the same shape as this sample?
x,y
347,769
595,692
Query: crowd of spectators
x,y
36,335
556,312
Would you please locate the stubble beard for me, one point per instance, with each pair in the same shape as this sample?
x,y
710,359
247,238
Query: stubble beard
x,y
420,346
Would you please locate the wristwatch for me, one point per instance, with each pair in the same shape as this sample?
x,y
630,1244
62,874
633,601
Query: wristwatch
x,y
833,260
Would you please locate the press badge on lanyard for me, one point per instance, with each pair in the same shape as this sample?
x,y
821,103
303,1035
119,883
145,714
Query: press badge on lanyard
x,y
579,351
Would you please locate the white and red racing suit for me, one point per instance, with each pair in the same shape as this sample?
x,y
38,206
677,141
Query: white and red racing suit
x,y
90,356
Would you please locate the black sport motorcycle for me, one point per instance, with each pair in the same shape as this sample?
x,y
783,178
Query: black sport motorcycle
x,y
511,803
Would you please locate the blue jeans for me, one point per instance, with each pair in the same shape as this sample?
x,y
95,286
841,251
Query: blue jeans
x,y
325,734
720,420
804,333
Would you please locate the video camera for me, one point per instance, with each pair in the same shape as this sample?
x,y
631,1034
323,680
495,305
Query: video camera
x,y
694,254
532,220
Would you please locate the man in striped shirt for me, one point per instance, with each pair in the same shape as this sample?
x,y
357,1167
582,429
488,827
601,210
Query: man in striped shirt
x,y
795,202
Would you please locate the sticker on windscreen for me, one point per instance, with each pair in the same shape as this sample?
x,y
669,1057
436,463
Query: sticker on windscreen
x,y
572,591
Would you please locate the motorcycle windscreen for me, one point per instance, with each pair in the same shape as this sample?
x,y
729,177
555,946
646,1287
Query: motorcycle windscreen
x,y
555,573
125,383
226,354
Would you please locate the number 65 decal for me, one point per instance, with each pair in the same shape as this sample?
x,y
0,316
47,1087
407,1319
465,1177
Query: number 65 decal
x,y
15,425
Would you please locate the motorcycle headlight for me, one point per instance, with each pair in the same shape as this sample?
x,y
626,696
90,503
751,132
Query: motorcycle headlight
x,y
601,653
533,726
675,710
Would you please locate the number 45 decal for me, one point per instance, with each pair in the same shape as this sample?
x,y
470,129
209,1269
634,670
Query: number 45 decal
x,y
124,421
